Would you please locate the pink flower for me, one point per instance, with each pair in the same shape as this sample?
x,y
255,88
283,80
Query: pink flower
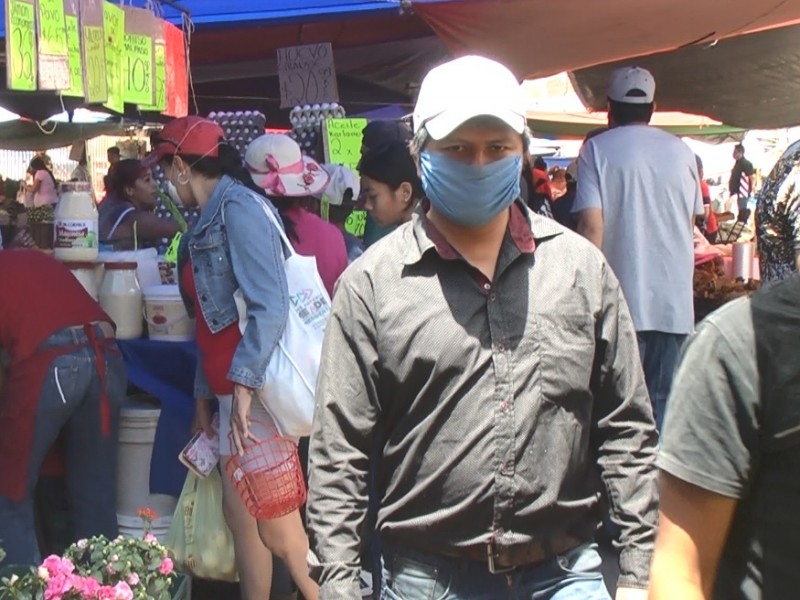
x,y
82,544
58,585
106,592
150,538
55,565
123,591
86,586
166,566
133,579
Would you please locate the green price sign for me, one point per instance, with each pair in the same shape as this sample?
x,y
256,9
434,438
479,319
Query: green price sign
x,y
75,65
114,31
21,46
356,223
161,77
94,58
343,141
52,29
138,61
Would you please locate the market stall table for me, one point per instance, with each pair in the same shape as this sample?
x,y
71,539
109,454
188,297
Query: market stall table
x,y
165,370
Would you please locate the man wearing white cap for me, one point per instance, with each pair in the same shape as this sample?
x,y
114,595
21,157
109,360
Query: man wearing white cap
x,y
489,355
638,194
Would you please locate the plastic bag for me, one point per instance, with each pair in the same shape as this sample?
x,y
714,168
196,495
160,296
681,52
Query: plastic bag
x,y
199,538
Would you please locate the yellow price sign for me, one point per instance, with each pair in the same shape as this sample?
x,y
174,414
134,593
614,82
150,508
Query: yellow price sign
x,y
94,59
343,141
52,29
75,65
114,31
356,223
21,46
138,61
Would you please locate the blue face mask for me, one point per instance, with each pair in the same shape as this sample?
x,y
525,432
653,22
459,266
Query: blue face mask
x,y
470,195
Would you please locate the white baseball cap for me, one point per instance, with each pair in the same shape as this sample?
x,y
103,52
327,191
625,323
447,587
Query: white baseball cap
x,y
465,88
632,85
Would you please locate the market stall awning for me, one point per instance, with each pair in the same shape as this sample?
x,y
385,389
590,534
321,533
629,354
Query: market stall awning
x,y
27,135
577,125
538,37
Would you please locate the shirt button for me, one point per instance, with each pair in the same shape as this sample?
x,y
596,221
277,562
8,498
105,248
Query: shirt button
x,y
492,296
197,269
203,297
487,286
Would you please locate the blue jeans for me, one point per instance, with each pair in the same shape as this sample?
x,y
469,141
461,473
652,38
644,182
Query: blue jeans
x,y
69,401
660,353
411,575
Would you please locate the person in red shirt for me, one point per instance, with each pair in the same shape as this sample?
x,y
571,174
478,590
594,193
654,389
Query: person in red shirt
x,y
710,226
61,374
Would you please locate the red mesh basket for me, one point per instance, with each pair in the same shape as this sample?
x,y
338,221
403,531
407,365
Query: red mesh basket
x,y
268,476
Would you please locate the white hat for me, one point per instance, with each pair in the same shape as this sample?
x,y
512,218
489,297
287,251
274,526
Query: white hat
x,y
342,179
278,166
632,85
465,88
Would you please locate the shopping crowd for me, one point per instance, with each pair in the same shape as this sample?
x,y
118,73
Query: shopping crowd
x,y
494,389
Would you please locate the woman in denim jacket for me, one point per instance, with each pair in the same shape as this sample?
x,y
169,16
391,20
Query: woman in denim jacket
x,y
232,246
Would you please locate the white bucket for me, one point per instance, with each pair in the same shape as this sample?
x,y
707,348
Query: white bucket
x,y
134,526
166,316
137,432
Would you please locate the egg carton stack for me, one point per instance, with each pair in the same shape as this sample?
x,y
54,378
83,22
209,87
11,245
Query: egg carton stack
x,y
240,127
307,125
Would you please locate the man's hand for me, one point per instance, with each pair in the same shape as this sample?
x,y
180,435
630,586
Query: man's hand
x,y
624,593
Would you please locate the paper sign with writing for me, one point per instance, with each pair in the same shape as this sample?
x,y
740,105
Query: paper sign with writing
x,y
94,51
94,56
114,31
139,57
160,77
75,64
177,76
52,32
342,141
307,75
356,223
21,58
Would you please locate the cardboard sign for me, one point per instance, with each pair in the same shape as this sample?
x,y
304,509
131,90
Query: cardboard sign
x,y
75,65
139,58
342,141
177,75
307,75
114,31
93,45
160,75
53,58
21,57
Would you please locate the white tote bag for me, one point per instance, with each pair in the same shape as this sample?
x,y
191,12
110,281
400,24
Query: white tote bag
x,y
291,376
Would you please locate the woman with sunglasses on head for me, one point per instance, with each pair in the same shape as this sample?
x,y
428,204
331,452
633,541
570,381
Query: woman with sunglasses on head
x,y
127,218
234,245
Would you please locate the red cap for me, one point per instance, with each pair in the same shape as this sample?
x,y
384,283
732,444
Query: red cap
x,y
192,136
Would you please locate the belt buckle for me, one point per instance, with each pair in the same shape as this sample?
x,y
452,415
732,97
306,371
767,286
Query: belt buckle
x,y
491,555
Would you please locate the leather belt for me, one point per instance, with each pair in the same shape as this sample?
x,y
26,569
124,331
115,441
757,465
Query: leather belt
x,y
503,559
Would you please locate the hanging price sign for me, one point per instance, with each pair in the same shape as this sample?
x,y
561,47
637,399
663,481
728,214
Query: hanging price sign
x,y
52,30
75,64
139,57
93,46
20,45
114,31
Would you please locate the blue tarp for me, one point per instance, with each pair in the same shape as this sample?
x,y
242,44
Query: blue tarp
x,y
219,13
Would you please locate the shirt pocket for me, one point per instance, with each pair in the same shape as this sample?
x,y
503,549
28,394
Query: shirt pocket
x,y
211,252
568,353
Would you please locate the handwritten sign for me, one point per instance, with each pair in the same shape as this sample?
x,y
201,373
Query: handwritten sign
x,y
20,46
94,59
138,69
114,31
342,141
177,75
52,30
75,65
307,75
356,223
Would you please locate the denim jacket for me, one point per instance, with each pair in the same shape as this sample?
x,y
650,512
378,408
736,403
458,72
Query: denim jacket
x,y
235,246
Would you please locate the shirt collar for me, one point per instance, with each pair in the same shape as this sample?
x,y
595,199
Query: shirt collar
x,y
214,203
524,228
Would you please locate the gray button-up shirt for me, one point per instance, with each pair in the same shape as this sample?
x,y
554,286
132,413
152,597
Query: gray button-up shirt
x,y
502,409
